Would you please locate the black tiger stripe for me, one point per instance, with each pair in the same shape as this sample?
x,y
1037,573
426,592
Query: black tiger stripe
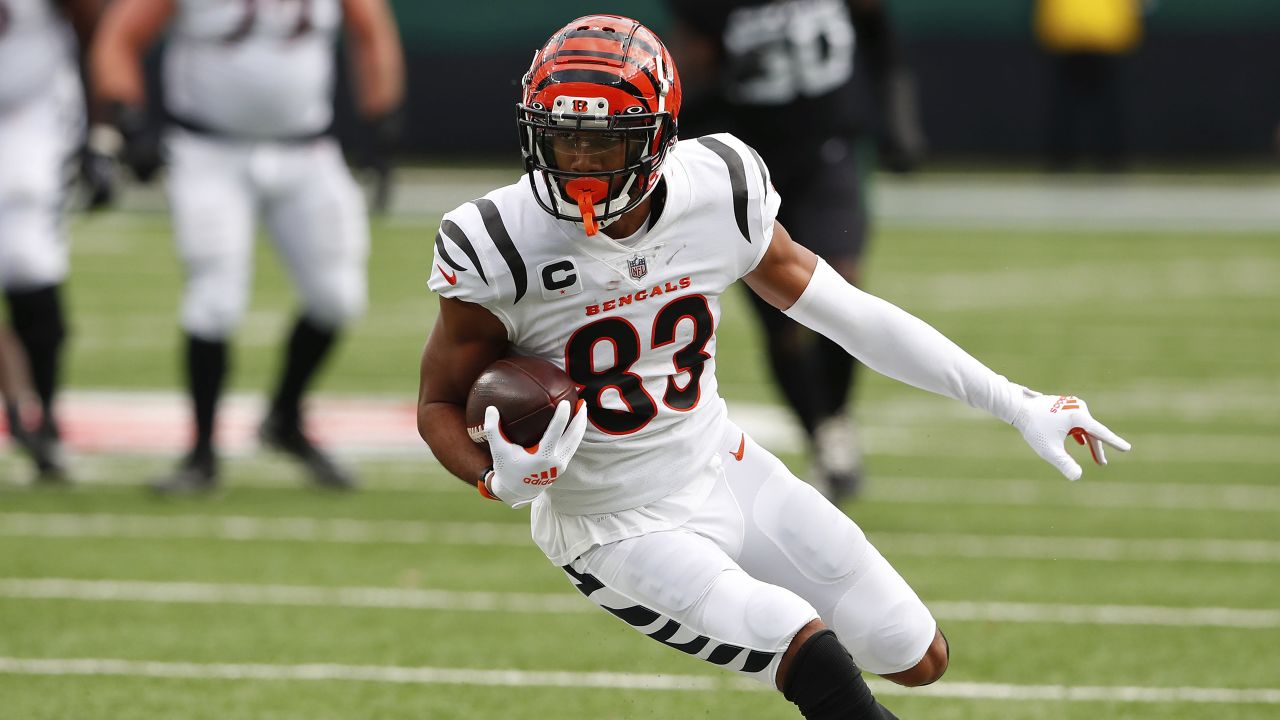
x,y
585,582
737,180
502,240
724,654
596,77
625,41
635,616
444,255
757,661
459,238
764,169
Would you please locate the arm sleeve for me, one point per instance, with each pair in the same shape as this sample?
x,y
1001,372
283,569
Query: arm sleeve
x,y
895,343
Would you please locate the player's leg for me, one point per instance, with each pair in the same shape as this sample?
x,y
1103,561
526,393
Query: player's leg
x,y
15,387
681,589
37,141
826,213
319,224
793,537
212,200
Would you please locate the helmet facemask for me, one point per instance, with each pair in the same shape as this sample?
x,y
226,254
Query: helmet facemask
x,y
594,165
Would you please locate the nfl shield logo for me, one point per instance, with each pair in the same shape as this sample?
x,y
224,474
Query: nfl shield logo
x,y
638,267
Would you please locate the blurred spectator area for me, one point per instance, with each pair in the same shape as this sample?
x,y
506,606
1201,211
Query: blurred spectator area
x,y
1202,84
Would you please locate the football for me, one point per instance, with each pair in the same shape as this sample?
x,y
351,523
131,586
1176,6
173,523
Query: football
x,y
526,391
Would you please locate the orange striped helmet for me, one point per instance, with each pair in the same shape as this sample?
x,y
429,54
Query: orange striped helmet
x,y
597,117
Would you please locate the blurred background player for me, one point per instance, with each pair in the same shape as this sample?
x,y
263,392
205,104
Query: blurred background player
x,y
248,94
15,388
1087,42
41,127
793,79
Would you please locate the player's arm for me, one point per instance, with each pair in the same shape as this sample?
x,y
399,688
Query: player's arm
x,y
120,130
84,15
127,29
465,340
895,343
376,56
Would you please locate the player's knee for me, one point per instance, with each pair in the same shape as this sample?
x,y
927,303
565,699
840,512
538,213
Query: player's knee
x,y
930,668
31,255
211,313
823,681
339,304
758,615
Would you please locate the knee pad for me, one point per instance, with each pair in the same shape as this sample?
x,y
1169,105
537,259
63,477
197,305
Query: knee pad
x,y
827,548
33,253
825,683
344,303
211,307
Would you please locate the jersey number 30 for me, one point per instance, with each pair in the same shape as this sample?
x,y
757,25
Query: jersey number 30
x,y
640,405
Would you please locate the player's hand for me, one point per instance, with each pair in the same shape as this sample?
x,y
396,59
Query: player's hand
x,y
383,140
1045,421
100,172
904,145
521,474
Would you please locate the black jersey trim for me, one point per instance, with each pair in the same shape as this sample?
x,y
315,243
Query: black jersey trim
x,y
451,230
444,255
757,661
502,240
764,169
737,180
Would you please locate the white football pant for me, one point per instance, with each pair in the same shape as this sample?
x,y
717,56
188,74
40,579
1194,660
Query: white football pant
x,y
763,556
313,209
38,141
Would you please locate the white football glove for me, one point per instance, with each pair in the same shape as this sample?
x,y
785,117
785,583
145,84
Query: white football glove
x,y
1045,421
521,474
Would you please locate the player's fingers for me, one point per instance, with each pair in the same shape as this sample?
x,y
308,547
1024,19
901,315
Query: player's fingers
x,y
1057,456
493,428
559,421
1100,431
1095,447
573,436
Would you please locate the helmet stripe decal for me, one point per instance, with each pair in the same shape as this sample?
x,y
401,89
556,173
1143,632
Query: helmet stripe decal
x,y
626,41
589,74
737,179
459,238
502,240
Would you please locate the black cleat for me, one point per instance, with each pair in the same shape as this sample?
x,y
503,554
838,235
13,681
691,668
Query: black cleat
x,y
44,447
194,475
289,439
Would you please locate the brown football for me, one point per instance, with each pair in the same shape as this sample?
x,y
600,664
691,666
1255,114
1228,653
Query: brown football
x,y
526,391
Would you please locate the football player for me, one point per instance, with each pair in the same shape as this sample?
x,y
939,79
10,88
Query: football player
x,y
248,89
609,259
796,80
41,126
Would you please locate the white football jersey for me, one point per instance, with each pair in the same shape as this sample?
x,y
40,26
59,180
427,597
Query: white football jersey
x,y
633,325
36,45
253,68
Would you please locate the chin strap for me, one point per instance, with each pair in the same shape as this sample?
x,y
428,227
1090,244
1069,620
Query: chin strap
x,y
584,191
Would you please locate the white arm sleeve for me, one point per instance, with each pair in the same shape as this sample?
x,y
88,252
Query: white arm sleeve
x,y
895,343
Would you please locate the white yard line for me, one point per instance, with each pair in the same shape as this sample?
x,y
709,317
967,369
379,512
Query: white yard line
x,y
336,530
569,603
604,680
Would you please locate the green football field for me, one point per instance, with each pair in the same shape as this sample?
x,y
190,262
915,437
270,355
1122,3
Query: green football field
x,y
1149,589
